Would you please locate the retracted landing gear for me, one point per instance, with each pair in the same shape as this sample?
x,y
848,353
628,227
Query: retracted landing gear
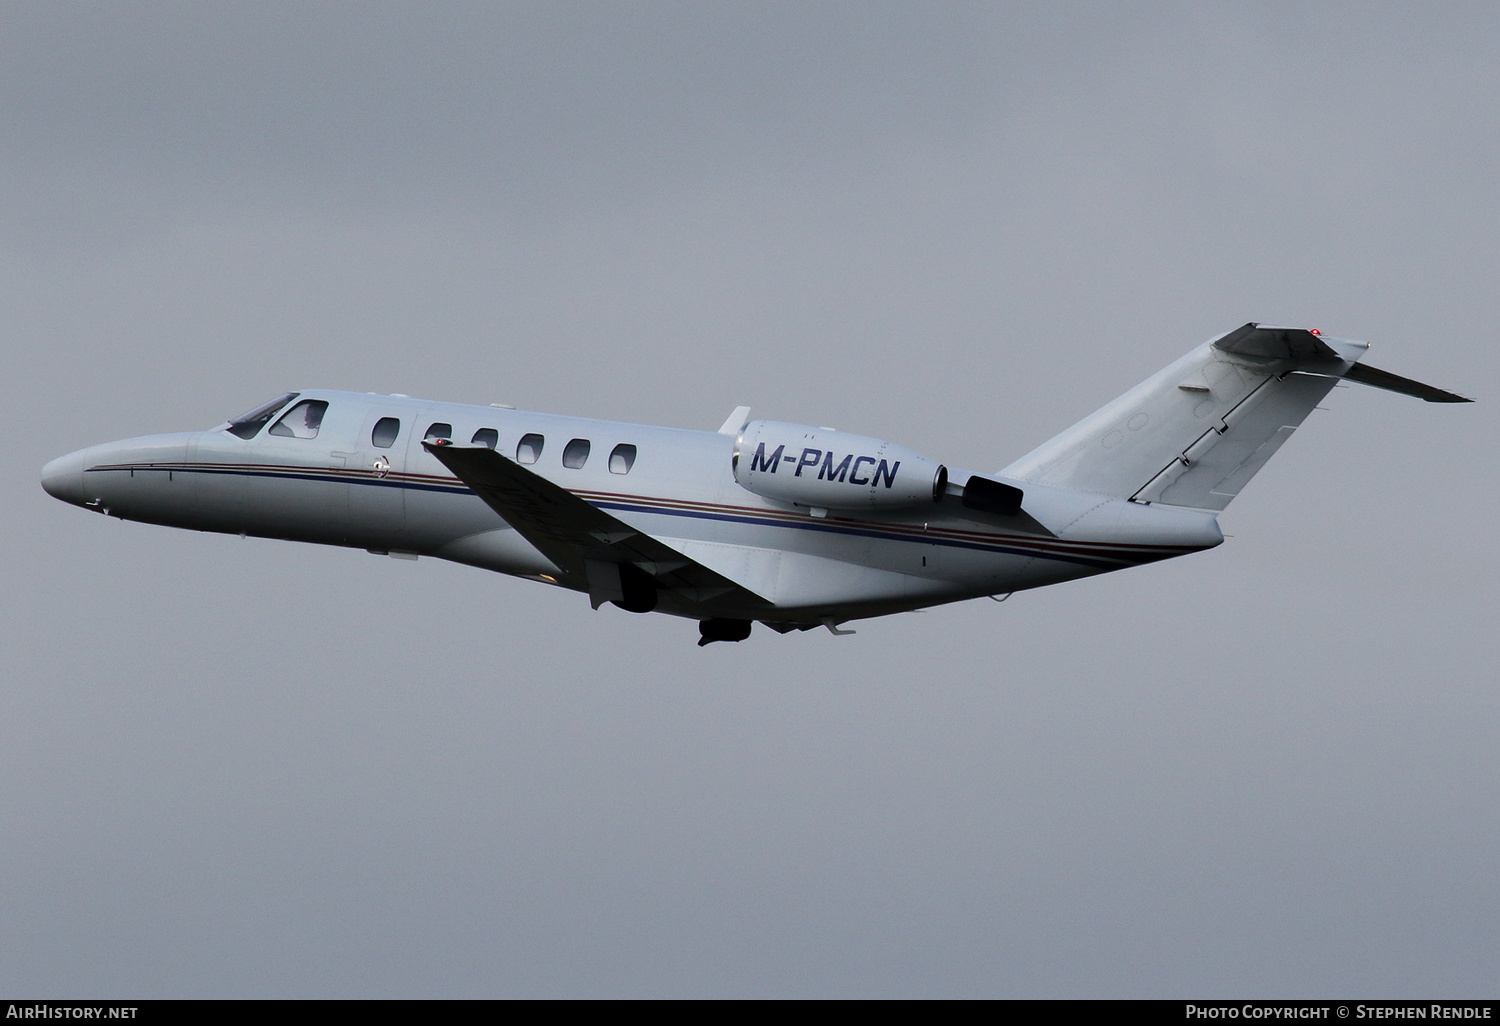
x,y
719,629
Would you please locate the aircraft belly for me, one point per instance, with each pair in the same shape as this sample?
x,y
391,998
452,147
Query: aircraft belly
x,y
801,581
435,518
825,564
377,505
312,508
502,550
807,581
223,500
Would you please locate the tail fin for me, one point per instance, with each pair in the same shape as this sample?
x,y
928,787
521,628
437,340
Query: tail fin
x,y
1195,433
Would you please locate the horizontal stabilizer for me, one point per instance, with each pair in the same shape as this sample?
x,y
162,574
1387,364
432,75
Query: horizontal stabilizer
x,y
1396,383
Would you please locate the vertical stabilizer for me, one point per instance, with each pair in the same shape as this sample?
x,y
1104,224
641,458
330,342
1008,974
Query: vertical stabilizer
x,y
1195,433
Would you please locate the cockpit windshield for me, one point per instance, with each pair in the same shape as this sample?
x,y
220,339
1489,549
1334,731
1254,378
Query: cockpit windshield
x,y
248,425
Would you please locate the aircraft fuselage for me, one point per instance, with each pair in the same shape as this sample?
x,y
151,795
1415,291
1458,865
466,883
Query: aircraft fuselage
x,y
362,477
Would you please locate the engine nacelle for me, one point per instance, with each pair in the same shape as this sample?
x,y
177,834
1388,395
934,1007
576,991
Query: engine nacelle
x,y
825,469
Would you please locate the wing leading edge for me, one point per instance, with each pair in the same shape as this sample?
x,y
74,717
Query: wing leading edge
x,y
596,552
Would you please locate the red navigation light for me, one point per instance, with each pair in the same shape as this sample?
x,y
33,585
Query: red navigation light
x,y
1313,331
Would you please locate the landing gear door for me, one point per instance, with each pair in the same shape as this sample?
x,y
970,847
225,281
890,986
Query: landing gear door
x,y
377,500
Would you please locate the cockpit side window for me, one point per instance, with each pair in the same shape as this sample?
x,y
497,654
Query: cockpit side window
x,y
386,430
302,420
248,425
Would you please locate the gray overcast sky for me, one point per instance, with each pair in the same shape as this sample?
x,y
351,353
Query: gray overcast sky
x,y
249,768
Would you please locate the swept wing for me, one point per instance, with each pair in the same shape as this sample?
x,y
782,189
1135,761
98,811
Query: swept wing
x,y
596,552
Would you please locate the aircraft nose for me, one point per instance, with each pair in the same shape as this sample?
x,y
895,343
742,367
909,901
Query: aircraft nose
x,y
63,477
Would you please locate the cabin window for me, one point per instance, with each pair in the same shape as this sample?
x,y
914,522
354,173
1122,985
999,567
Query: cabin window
x,y
622,458
302,420
248,425
487,437
529,448
386,430
576,454
439,433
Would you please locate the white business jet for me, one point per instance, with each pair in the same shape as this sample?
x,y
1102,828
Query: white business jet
x,y
787,525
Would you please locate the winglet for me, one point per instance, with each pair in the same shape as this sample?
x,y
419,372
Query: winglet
x,y
737,420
